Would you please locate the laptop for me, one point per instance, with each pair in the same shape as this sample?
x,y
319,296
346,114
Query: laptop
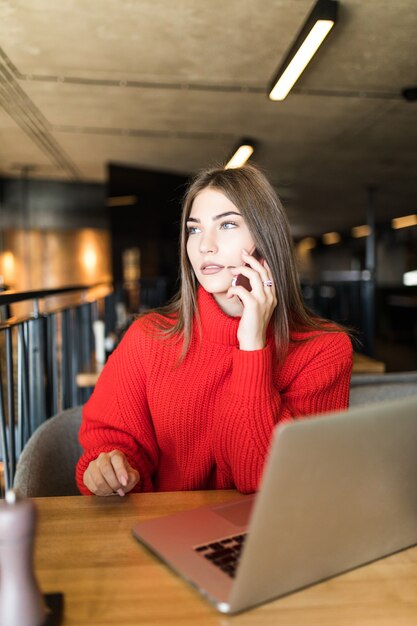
x,y
338,491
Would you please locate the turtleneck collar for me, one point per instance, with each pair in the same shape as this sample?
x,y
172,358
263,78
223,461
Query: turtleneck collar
x,y
217,326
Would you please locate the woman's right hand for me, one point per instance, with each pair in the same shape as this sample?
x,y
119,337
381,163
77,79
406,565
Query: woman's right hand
x,y
109,474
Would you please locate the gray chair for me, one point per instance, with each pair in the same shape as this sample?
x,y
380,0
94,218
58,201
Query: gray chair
x,y
46,466
376,388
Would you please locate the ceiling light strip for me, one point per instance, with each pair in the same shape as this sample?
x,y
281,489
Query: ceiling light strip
x,y
312,34
113,201
241,156
404,222
331,238
361,231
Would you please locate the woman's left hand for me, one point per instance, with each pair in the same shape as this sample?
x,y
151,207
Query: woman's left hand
x,y
258,304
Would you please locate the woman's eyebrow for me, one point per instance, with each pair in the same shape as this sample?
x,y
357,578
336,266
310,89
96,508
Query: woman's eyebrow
x,y
216,217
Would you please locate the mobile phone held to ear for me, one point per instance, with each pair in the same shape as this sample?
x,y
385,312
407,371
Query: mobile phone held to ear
x,y
242,281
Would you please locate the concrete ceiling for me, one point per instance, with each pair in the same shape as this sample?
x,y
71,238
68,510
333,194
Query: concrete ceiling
x,y
174,85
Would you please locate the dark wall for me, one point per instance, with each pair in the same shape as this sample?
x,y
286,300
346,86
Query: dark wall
x,y
50,204
152,223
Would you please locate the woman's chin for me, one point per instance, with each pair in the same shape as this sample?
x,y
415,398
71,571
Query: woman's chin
x,y
215,287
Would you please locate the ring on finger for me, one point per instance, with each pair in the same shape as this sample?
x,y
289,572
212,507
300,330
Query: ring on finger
x,y
267,283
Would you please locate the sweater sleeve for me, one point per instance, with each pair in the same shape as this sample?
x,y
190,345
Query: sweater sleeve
x,y
117,415
318,382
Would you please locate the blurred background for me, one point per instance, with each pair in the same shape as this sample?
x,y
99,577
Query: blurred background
x,y
109,106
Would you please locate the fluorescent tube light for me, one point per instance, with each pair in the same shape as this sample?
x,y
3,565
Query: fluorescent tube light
x,y
404,222
300,60
121,200
331,238
315,29
361,231
242,154
410,278
308,243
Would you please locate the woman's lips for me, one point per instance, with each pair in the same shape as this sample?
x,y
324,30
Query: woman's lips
x,y
211,269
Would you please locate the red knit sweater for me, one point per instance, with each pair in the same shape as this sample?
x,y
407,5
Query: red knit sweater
x,y
207,423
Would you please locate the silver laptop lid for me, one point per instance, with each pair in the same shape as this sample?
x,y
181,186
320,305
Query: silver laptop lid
x,y
338,491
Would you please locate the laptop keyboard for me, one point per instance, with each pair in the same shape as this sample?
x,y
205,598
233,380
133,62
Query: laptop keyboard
x,y
224,553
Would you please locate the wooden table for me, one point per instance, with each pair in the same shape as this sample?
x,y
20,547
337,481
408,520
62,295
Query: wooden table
x,y
88,378
85,549
363,364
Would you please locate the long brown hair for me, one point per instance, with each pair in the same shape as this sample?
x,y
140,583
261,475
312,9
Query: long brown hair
x,y
249,190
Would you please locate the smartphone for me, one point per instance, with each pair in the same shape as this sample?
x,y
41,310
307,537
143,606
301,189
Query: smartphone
x,y
242,280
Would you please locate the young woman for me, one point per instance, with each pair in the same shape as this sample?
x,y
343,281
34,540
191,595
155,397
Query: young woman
x,y
190,397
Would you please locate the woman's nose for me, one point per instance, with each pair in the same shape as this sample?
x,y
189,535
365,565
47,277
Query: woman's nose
x,y
207,244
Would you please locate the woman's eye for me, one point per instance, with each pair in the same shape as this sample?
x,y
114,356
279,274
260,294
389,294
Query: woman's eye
x,y
227,225
191,230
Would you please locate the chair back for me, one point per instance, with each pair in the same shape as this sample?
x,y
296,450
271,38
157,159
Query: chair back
x,y
375,388
46,466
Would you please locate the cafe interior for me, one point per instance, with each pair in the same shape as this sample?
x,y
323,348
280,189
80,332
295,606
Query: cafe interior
x,y
108,109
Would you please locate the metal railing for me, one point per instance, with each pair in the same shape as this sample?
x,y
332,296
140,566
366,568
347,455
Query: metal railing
x,y
40,355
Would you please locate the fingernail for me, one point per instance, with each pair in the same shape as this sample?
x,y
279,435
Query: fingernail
x,y
120,492
123,480
245,252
